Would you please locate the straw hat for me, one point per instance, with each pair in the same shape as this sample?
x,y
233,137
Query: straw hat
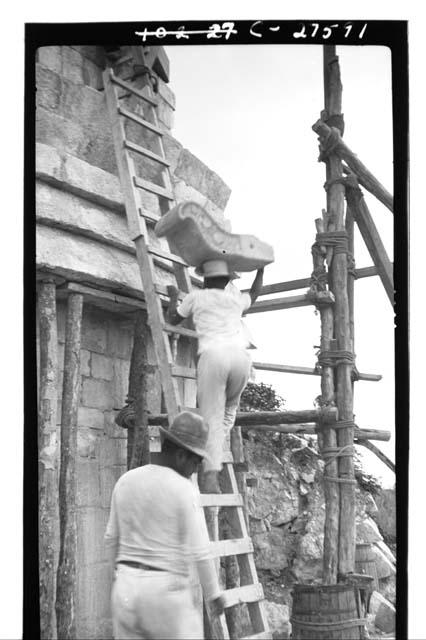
x,y
189,431
213,268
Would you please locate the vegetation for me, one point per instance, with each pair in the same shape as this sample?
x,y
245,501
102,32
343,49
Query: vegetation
x,y
260,397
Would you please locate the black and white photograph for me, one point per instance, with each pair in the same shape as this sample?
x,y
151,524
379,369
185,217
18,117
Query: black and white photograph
x,y
216,222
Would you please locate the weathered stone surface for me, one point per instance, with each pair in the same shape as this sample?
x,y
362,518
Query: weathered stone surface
x,y
166,93
94,54
370,505
165,116
56,207
81,259
69,173
102,367
88,487
271,549
112,430
94,330
383,612
278,616
367,531
196,174
120,382
112,452
108,479
86,443
386,515
384,566
97,394
93,598
91,418
85,362
388,553
120,338
50,57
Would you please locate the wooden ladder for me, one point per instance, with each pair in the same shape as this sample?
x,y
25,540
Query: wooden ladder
x,y
139,218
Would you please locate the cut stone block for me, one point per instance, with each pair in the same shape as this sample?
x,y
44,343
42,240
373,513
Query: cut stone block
x,y
388,553
102,367
197,237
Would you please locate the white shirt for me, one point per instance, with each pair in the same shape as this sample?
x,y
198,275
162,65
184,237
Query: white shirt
x,y
156,519
217,316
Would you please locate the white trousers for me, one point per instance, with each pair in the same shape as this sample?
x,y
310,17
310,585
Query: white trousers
x,y
153,605
222,374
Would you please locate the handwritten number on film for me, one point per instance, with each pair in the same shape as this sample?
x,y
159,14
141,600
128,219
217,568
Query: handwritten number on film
x,y
325,32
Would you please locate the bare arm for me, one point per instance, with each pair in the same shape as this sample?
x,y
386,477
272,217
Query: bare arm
x,y
257,285
171,315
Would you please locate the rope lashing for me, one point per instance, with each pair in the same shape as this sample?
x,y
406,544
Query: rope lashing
x,y
340,480
351,265
336,239
332,453
334,358
329,183
336,120
328,144
330,626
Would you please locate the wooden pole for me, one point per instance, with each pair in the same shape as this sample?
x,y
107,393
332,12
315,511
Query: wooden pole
x,y
327,438
378,453
66,575
371,237
360,434
47,467
335,209
349,224
365,177
326,414
140,453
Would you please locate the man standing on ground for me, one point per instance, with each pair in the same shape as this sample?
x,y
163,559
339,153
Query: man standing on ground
x,y
156,530
224,363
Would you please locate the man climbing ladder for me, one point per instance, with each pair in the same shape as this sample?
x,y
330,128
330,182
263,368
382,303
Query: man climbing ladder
x,y
224,362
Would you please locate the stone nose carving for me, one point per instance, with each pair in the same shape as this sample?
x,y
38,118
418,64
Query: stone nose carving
x,y
197,237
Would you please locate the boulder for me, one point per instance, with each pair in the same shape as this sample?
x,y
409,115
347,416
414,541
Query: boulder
x,y
383,612
384,566
367,531
278,616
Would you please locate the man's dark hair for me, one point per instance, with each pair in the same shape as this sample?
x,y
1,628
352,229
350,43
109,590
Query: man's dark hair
x,y
216,282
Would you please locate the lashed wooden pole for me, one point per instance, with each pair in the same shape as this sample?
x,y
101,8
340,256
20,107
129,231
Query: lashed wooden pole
x,y
48,487
365,177
339,272
140,453
66,575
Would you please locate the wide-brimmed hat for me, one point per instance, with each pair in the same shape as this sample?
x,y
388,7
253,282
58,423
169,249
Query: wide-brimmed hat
x,y
214,268
189,431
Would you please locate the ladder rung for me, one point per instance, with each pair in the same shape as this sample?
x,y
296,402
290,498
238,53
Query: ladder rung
x,y
167,256
248,593
182,331
149,216
144,123
137,92
227,457
221,500
263,635
123,59
232,547
184,372
145,152
153,188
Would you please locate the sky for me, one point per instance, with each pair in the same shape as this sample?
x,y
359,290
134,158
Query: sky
x,y
246,111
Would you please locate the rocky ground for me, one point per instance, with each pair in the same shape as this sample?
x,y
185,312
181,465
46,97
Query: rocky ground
x,y
286,509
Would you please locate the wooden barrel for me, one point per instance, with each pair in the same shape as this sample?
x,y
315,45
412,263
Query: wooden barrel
x,y
326,612
365,562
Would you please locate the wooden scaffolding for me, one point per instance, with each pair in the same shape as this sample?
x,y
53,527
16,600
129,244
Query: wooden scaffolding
x,y
330,290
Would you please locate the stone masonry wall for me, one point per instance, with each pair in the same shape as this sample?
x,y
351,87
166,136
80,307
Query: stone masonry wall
x,y
101,450
82,237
